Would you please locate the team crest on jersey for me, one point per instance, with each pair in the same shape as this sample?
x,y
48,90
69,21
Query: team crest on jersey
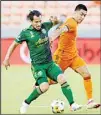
x,y
32,35
43,31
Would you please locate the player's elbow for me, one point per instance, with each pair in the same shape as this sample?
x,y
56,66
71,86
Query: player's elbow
x,y
15,44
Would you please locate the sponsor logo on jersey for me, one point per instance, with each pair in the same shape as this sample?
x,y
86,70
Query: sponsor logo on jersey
x,y
41,41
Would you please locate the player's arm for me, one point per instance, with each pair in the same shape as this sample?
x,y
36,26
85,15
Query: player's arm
x,y
57,31
52,22
9,53
12,47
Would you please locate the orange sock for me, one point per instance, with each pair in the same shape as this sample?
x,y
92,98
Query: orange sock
x,y
88,87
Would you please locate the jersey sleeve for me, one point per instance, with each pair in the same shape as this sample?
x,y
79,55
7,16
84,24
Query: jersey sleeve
x,y
21,37
48,25
71,25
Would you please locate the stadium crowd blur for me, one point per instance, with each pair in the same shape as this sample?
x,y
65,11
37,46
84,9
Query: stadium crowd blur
x,y
13,13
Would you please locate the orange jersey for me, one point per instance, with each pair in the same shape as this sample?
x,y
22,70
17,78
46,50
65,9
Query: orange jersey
x,y
67,41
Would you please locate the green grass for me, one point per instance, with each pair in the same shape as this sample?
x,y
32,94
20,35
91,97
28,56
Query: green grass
x,y
17,83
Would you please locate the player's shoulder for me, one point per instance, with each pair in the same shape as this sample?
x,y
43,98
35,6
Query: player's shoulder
x,y
47,25
71,20
24,30
47,22
27,29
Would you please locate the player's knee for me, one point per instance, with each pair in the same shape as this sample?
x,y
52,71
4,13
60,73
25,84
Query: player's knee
x,y
44,87
61,79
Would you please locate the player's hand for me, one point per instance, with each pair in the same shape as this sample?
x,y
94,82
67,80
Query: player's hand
x,y
6,63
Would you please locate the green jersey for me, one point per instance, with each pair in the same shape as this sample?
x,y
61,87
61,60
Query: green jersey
x,y
37,42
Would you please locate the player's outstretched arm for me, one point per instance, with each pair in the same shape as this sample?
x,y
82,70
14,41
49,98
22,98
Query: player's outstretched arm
x,y
8,54
53,34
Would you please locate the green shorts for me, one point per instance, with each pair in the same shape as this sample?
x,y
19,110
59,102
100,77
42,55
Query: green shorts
x,y
42,71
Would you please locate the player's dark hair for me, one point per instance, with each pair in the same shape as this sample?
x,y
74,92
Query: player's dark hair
x,y
33,13
81,6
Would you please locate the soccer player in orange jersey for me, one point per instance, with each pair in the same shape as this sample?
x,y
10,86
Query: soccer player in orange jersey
x,y
67,55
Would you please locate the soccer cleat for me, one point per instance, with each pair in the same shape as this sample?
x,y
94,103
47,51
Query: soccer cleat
x,y
91,104
23,108
75,107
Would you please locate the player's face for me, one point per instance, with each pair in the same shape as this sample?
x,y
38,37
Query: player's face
x,y
80,15
36,23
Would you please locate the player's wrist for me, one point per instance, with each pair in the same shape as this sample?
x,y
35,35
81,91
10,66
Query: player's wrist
x,y
7,58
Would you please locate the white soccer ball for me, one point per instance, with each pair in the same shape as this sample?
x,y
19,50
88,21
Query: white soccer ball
x,y
57,106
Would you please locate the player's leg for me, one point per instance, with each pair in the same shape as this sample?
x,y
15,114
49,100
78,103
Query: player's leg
x,y
83,71
62,64
50,82
42,87
56,74
80,67
68,92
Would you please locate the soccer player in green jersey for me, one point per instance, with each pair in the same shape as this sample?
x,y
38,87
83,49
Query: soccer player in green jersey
x,y
36,37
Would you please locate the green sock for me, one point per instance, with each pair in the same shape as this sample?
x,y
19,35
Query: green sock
x,y
35,94
67,92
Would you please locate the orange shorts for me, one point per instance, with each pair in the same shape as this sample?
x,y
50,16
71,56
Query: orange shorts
x,y
73,63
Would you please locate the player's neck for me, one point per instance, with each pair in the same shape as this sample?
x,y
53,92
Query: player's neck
x,y
75,19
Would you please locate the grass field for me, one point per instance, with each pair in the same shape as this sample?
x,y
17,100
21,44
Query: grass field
x,y
17,83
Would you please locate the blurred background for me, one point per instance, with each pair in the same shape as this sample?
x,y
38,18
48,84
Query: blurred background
x,y
18,78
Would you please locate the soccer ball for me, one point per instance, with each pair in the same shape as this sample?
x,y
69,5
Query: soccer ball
x,y
57,106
